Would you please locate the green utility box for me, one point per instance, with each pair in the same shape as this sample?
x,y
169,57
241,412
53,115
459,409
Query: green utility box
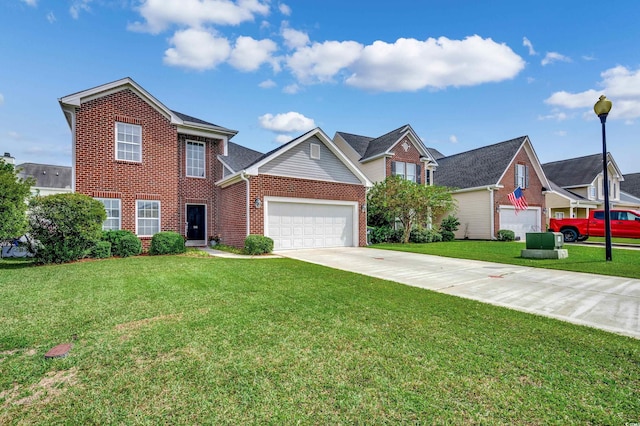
x,y
544,240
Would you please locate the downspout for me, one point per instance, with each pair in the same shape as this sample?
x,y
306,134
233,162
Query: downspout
x,y
243,176
493,212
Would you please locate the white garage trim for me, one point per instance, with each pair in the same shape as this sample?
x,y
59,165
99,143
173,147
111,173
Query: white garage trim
x,y
311,201
529,220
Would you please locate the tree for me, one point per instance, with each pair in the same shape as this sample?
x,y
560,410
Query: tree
x,y
14,194
65,226
410,203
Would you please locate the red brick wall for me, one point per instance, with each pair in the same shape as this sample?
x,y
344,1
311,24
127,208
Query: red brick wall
x,y
99,174
195,190
232,214
410,156
533,192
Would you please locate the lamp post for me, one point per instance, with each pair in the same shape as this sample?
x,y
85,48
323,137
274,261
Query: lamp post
x,y
602,108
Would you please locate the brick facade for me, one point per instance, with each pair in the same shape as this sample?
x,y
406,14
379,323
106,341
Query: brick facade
x,y
411,155
532,193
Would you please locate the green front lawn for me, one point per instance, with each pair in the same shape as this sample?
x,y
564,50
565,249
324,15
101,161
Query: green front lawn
x,y
193,340
625,263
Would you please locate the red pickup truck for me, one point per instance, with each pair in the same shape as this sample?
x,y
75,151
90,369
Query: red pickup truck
x,y
624,224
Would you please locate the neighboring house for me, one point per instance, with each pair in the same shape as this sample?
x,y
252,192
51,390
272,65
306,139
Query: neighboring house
x,y
156,169
49,179
630,189
482,180
580,180
399,152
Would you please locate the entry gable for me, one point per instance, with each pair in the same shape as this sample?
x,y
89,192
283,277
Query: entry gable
x,y
310,156
532,164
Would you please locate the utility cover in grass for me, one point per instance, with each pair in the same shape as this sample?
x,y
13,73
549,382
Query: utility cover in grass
x,y
59,351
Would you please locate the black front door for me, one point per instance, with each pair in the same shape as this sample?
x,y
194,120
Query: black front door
x,y
195,222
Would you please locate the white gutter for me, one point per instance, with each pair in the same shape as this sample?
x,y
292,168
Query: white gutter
x,y
492,213
244,178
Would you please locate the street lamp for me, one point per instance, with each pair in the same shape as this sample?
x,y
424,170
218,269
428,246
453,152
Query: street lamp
x,y
602,108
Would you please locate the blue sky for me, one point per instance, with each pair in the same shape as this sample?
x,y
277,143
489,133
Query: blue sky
x,y
463,74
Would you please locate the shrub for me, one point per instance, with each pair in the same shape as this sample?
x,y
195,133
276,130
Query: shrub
x,y
506,235
379,234
258,244
65,226
448,227
167,242
396,236
101,250
424,235
123,243
447,235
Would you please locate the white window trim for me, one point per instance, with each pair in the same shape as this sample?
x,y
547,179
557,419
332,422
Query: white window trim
x,y
102,200
186,159
115,128
159,216
521,175
314,151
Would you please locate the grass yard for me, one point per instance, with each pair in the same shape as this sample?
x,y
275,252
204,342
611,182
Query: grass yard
x,y
591,259
193,340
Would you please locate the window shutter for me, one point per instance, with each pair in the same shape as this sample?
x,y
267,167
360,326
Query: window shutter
x,y
418,173
393,168
515,175
526,176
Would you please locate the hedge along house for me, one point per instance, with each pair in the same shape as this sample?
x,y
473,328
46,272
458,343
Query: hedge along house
x,y
304,194
156,169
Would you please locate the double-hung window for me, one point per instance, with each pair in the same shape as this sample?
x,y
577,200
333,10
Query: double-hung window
x,y
147,218
128,142
522,176
112,207
195,159
408,171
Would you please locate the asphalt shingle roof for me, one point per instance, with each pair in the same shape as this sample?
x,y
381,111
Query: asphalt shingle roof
x,y
631,184
46,176
240,157
478,167
195,120
369,147
574,171
435,153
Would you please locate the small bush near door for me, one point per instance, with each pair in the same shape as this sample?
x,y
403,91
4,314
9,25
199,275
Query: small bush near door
x,y
167,242
506,235
258,244
123,243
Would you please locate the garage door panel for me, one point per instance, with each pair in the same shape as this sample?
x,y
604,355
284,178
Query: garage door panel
x,y
521,223
308,225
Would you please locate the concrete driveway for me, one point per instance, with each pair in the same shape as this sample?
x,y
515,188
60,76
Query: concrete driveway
x,y
607,303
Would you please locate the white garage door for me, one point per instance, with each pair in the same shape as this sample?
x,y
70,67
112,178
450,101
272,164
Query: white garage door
x,y
295,225
521,223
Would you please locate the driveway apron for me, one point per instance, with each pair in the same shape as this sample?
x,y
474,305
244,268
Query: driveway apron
x,y
607,303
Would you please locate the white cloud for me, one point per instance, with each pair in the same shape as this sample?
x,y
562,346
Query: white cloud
x,y
560,133
320,62
32,3
161,14
589,57
78,6
555,115
552,57
530,80
294,39
527,43
282,139
51,17
410,64
620,84
1,99
267,84
453,139
286,123
198,49
284,9
248,54
291,89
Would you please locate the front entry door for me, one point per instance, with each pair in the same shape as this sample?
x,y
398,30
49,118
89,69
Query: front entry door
x,y
195,222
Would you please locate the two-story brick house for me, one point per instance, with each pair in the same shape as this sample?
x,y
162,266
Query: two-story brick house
x,y
156,169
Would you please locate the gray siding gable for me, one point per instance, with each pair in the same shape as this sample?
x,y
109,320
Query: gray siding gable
x,y
297,162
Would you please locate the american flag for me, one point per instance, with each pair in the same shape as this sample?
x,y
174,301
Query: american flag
x,y
517,199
